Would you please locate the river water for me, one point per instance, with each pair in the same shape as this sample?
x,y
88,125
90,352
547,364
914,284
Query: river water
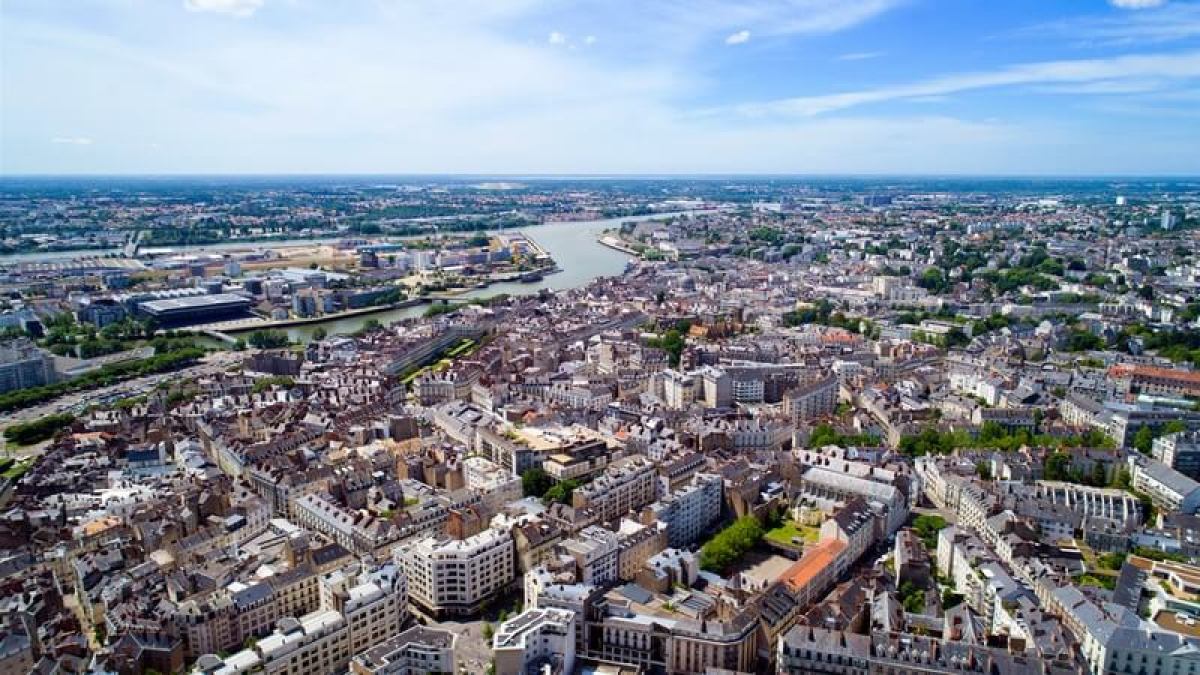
x,y
573,245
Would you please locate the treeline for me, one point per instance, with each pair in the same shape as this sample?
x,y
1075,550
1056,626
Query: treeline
x,y
822,313
38,430
101,377
996,437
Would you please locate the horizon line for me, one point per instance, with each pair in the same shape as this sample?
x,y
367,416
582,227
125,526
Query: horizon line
x,y
604,175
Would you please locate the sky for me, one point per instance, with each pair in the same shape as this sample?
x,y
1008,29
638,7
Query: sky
x,y
1012,87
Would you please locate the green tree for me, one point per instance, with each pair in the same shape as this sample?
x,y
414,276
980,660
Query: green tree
x,y
38,430
1057,466
927,528
535,482
561,491
319,334
268,339
1143,440
984,469
730,544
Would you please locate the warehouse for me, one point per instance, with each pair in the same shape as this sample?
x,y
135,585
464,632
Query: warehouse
x,y
195,309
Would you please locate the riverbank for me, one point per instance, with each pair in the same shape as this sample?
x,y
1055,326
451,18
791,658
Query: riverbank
x,y
617,245
574,247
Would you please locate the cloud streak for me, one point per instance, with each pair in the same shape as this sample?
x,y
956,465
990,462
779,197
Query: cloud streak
x,y
71,140
1170,23
240,9
1164,67
1137,4
859,56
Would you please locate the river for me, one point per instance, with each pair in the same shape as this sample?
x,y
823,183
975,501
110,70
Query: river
x,y
573,245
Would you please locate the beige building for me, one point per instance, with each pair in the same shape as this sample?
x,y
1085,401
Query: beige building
x,y
457,577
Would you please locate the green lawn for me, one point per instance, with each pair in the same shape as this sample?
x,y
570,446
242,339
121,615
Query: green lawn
x,y
16,470
784,533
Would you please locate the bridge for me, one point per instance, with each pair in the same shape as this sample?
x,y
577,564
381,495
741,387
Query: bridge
x,y
218,335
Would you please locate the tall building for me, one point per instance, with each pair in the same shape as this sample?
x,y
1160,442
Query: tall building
x,y
691,510
626,485
811,400
353,617
23,365
1180,451
449,577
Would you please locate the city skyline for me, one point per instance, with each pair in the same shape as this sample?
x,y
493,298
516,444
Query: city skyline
x,y
861,87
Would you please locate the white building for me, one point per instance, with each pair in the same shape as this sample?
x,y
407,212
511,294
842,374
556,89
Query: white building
x,y
353,617
457,577
1166,487
596,552
416,651
810,400
691,510
533,639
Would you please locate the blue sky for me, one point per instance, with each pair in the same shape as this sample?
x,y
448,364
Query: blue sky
x,y
600,86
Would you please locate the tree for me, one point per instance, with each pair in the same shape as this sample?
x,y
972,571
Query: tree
x,y
1143,440
1057,466
983,469
268,339
319,334
535,482
561,491
1174,427
730,544
1121,479
38,430
933,280
927,528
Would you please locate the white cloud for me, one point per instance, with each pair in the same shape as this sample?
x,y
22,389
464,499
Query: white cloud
x,y
1173,67
1171,23
859,56
240,96
71,140
1137,4
740,37
237,8
556,38
589,40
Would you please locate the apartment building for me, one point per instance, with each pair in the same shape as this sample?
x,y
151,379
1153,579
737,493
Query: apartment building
x,y
1166,487
595,551
626,485
534,640
363,534
691,510
416,651
450,577
811,400
355,614
1180,451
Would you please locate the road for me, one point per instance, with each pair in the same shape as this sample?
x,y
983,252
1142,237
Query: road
x,y
77,401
